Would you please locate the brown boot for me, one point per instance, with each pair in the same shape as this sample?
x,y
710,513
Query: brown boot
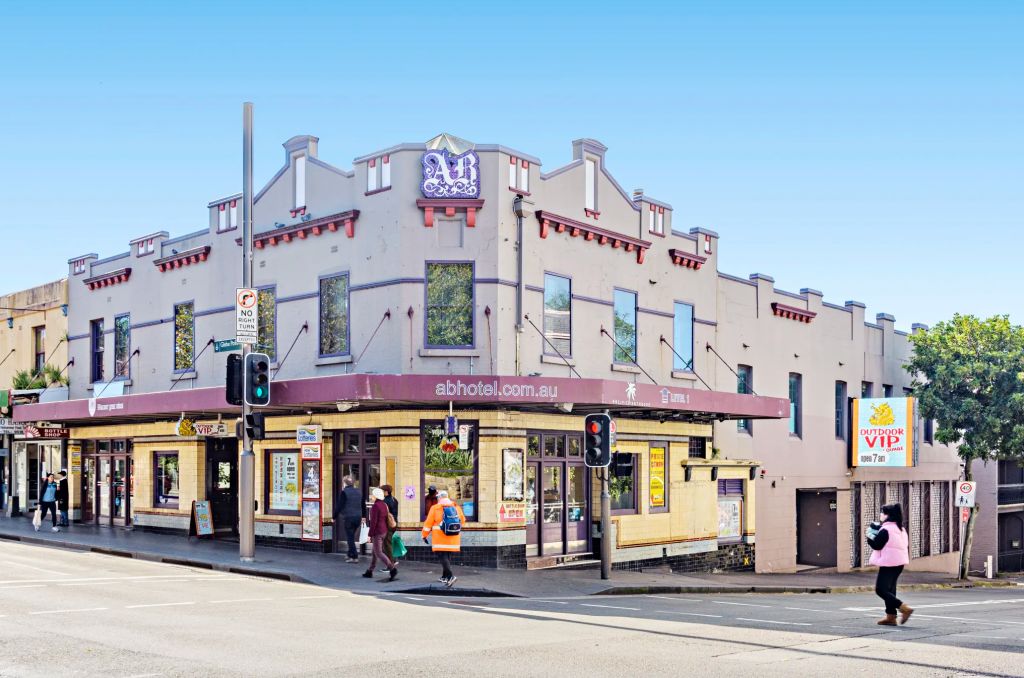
x,y
905,612
890,620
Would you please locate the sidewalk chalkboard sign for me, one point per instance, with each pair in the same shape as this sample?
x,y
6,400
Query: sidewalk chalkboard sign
x,y
201,524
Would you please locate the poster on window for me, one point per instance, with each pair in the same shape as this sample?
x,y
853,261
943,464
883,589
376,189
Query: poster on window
x,y
729,514
310,478
512,475
284,481
657,477
311,520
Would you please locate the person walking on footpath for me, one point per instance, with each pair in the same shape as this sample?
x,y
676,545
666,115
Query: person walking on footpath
x,y
443,531
392,504
350,513
48,500
379,513
62,498
890,552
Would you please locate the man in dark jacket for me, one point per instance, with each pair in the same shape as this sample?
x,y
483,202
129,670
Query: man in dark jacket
x,y
350,515
62,498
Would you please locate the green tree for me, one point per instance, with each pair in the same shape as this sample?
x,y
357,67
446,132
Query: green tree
x,y
969,378
450,304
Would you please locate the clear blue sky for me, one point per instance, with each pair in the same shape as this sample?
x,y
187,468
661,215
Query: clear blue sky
x,y
875,153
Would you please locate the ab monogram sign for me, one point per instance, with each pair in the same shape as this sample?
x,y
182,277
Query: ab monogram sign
x,y
451,176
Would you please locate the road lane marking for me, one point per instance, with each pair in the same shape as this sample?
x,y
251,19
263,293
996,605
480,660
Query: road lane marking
x,y
726,602
772,621
549,602
807,609
133,578
611,607
37,569
83,609
313,597
27,586
968,603
689,614
137,607
240,600
411,598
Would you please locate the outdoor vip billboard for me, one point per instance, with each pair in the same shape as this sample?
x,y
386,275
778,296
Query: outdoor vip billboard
x,y
883,432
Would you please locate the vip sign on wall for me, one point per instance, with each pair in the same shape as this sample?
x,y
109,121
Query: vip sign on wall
x,y
883,432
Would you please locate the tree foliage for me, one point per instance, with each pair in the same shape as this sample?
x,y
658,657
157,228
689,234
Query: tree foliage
x,y
450,304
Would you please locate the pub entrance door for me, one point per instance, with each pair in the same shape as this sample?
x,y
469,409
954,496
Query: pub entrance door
x,y
557,496
356,454
222,482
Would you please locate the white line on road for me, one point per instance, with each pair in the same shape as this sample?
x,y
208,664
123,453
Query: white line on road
x,y
689,614
772,621
240,600
411,598
726,602
119,579
549,602
807,609
84,609
611,607
136,607
27,586
37,569
313,597
959,604
684,600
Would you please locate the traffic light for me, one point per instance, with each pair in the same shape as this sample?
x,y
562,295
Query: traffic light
x,y
597,430
257,379
233,384
255,426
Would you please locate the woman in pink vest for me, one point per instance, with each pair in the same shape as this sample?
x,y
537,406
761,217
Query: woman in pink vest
x,y
890,553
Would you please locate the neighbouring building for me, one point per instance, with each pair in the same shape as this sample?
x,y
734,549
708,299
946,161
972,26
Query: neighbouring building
x,y
458,278
33,349
999,526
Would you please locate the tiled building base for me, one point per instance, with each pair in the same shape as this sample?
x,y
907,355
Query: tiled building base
x,y
732,558
500,557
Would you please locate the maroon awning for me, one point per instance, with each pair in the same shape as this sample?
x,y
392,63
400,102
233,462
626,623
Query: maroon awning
x,y
372,390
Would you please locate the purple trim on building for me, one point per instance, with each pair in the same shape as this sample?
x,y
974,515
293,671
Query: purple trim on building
x,y
212,311
298,297
701,321
651,311
78,337
387,283
420,389
592,300
534,288
560,170
734,278
494,281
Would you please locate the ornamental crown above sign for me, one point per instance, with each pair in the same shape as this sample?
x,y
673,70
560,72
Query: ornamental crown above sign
x,y
448,175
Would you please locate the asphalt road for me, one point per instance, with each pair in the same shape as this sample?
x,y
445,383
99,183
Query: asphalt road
x,y
65,613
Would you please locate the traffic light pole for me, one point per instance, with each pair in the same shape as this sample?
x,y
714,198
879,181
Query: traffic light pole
x,y
606,526
247,460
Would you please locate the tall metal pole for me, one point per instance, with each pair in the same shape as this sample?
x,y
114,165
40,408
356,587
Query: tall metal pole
x,y
247,460
606,526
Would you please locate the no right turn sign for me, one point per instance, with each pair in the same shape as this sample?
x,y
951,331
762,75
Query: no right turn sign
x,y
965,491
246,320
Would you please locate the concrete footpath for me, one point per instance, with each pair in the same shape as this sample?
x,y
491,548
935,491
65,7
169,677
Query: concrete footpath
x,y
332,571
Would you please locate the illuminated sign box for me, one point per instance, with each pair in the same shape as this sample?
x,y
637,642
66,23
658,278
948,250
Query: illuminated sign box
x,y
883,432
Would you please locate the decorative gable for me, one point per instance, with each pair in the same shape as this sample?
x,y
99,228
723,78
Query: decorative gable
x,y
792,312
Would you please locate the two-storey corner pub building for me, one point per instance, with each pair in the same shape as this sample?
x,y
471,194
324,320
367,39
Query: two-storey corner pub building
x,y
447,314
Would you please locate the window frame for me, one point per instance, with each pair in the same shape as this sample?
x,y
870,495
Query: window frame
x,y
636,487
667,479
96,372
636,325
867,389
260,290
745,425
39,348
174,336
590,172
886,390
299,161
157,456
547,350
675,338
796,426
841,410
320,314
426,303
474,444
267,455
690,448
742,497
128,349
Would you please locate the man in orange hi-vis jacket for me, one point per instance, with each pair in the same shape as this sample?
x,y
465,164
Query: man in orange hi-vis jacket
x,y
443,531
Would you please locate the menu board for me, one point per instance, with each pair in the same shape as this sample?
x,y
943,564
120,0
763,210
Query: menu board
x,y
657,483
202,519
284,481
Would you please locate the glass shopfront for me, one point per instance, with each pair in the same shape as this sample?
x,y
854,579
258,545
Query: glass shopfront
x,y
107,482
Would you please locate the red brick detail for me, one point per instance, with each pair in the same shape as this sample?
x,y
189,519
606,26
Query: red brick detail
x,y
471,217
687,260
592,213
590,233
792,312
107,279
350,228
302,231
428,217
450,207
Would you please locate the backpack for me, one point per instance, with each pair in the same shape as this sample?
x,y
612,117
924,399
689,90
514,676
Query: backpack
x,y
450,523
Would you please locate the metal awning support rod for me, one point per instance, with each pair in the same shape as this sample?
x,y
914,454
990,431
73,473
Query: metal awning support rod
x,y
190,367
47,362
711,348
548,342
70,363
304,328
387,316
685,361
629,355
6,357
114,378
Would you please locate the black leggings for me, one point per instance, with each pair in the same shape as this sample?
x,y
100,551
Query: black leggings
x,y
446,563
50,506
885,587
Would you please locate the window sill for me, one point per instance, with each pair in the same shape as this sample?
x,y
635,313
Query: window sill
x,y
377,190
555,360
449,353
684,374
333,360
630,369
126,382
182,376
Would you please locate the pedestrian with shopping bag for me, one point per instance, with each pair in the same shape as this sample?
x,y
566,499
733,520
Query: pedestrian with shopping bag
x,y
392,505
378,523
443,531
47,502
890,552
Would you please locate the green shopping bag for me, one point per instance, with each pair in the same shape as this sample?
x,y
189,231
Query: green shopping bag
x,y
398,546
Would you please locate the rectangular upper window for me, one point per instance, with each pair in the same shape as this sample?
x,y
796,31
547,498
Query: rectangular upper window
x,y
661,221
795,396
39,348
682,337
557,314
222,218
378,173
518,174
841,410
334,328
744,385
184,336
96,343
266,322
886,390
300,182
866,389
450,303
624,309
165,480
145,246
591,184
929,431
697,447
233,214
122,347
